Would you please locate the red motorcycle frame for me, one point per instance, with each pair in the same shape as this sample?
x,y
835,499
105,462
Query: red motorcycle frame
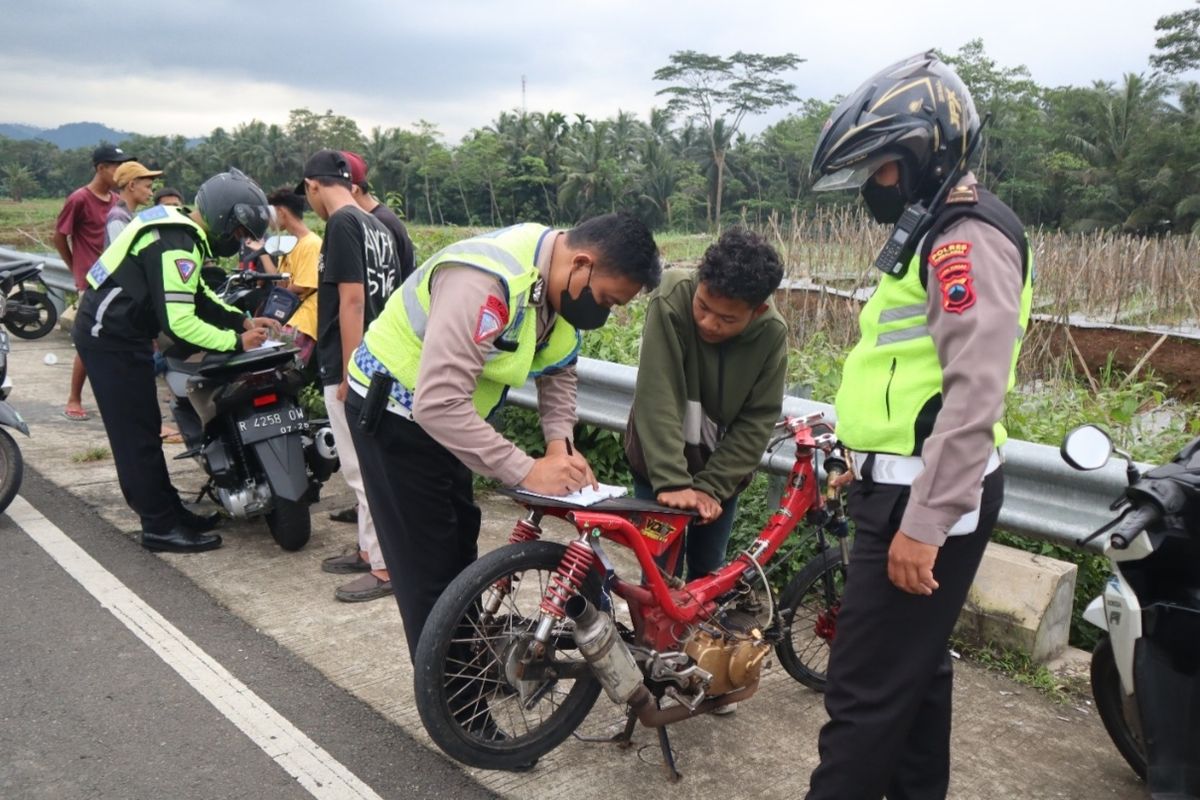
x,y
664,611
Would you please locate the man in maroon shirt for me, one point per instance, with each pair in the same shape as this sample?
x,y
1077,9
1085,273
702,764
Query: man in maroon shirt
x,y
79,239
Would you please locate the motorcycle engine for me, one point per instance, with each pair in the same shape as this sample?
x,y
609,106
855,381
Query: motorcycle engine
x,y
731,648
248,500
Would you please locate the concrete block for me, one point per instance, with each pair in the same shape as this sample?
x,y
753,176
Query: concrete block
x,y
1021,601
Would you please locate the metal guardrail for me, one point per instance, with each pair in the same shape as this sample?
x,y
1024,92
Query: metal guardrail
x,y
1043,497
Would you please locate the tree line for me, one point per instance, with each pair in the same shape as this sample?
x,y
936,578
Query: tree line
x,y
1118,156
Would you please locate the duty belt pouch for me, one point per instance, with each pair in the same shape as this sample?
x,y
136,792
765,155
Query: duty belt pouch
x,y
375,404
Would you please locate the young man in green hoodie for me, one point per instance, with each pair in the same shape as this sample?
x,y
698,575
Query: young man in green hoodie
x,y
709,388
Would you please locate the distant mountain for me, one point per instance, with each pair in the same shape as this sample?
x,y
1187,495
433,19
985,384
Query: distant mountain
x,y
67,137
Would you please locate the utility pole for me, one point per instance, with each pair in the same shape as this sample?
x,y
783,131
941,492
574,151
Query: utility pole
x,y
523,95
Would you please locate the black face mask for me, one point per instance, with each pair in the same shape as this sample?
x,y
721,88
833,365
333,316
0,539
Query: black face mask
x,y
583,312
886,203
224,246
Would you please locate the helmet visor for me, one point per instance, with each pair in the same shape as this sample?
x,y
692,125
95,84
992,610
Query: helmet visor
x,y
853,177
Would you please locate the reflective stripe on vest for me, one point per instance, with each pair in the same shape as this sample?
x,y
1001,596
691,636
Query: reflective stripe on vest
x,y
395,340
894,371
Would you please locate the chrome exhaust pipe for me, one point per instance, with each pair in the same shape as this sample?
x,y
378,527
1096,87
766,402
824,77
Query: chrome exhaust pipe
x,y
597,638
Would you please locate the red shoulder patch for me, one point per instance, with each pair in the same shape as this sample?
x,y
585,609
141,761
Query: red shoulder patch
x,y
493,316
958,288
949,251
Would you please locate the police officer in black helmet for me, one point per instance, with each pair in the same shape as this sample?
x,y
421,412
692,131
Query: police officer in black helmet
x,y
919,408
145,284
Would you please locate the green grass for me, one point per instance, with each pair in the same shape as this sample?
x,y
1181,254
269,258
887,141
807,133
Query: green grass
x,y
29,225
1020,668
90,455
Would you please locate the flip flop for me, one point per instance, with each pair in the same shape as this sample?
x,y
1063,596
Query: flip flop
x,y
76,416
171,438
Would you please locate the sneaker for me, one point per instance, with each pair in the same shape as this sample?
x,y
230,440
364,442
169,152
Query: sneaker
x,y
349,514
360,590
345,564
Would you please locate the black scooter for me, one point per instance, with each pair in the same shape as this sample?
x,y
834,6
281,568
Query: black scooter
x,y
1146,669
241,419
12,465
25,307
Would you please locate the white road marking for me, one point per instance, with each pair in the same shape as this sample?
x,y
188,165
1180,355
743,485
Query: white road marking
x,y
316,770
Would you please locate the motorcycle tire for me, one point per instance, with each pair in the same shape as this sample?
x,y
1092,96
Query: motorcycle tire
x,y
47,315
12,468
1114,709
808,608
491,738
290,523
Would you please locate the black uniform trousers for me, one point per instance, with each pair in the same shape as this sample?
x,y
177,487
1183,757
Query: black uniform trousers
x,y
423,503
123,382
890,674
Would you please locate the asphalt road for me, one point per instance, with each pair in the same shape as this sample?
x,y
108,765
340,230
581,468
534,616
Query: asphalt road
x,y
88,709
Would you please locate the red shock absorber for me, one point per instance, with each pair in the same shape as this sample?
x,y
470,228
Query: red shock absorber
x,y
526,530
565,582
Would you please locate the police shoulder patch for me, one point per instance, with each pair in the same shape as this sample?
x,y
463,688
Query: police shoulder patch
x,y
963,195
958,288
186,267
493,316
948,251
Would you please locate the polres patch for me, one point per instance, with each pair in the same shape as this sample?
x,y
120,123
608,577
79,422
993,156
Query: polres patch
x,y
186,267
958,288
949,251
493,316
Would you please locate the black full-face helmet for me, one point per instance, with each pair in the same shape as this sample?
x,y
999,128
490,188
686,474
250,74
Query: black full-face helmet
x,y
917,112
228,201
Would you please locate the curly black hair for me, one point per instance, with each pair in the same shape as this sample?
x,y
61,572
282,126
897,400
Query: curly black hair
x,y
741,266
626,246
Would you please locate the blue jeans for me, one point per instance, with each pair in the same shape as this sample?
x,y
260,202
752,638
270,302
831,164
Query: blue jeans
x,y
705,547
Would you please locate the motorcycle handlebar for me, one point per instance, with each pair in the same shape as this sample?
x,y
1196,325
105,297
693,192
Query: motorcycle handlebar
x,y
1136,521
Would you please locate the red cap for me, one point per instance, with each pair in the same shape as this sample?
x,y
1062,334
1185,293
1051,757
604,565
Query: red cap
x,y
358,167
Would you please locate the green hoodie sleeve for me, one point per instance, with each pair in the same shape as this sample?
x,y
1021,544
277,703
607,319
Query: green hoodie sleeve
x,y
660,399
739,451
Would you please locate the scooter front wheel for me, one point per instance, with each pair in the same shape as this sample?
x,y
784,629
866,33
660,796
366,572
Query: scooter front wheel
x,y
487,694
1117,711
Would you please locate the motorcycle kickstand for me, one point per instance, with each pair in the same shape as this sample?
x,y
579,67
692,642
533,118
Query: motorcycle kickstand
x,y
664,742
624,739
206,491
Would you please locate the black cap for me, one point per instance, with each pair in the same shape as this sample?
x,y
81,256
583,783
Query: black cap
x,y
325,164
109,154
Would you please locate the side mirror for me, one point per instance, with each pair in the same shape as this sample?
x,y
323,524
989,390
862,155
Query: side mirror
x,y
1087,447
280,245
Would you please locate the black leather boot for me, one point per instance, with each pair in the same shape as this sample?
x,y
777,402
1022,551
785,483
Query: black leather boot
x,y
180,540
200,523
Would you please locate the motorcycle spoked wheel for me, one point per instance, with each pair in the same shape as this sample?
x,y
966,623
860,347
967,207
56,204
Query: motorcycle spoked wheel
x,y
12,469
39,316
466,695
290,523
1115,710
809,606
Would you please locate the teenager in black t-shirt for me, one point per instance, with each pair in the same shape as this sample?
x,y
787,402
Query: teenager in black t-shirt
x,y
367,202
359,270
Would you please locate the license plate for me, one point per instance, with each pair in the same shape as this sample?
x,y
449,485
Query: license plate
x,y
269,424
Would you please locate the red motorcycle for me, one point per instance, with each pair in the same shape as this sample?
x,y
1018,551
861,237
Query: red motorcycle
x,y
518,647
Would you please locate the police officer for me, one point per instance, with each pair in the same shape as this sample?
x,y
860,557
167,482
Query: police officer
x,y
920,402
479,317
148,282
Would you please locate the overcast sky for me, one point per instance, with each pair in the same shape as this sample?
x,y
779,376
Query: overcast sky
x,y
191,65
